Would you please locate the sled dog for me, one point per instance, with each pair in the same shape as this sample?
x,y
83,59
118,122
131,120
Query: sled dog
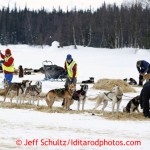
x,y
131,81
17,89
63,93
80,95
115,96
33,91
91,80
132,105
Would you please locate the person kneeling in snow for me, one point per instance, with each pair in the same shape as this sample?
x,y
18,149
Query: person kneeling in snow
x,y
8,65
143,67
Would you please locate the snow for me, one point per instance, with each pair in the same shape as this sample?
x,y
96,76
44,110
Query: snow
x,y
28,124
55,44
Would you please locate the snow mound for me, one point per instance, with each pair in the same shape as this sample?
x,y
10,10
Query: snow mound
x,y
55,44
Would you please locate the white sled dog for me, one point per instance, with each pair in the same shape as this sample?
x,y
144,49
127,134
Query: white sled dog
x,y
115,95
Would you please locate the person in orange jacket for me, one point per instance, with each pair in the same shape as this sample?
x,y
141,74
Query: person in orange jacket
x,y
8,65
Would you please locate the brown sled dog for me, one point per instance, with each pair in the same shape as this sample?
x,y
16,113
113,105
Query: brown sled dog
x,y
63,93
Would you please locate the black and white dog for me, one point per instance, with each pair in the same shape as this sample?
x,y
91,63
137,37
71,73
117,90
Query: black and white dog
x,y
80,95
132,105
91,80
131,81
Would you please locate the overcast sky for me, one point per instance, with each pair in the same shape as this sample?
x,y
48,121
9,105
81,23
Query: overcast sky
x,y
64,4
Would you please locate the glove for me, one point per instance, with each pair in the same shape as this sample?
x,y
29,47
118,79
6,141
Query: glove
x,y
142,74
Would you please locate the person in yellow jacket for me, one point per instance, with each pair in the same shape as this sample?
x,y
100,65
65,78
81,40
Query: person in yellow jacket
x,y
71,68
8,65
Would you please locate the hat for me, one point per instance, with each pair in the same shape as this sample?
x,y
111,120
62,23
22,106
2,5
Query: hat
x,y
8,51
69,57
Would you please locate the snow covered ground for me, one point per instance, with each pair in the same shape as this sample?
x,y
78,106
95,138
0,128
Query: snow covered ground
x,y
41,129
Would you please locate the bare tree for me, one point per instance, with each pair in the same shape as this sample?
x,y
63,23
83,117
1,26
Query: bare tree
x,y
90,36
74,38
116,35
82,38
103,42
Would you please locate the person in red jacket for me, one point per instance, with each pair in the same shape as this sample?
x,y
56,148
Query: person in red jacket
x,y
8,65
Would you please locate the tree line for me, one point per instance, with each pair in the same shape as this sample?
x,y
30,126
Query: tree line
x,y
109,26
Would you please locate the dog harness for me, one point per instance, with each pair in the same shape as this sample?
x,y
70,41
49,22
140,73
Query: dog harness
x,y
108,94
119,97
